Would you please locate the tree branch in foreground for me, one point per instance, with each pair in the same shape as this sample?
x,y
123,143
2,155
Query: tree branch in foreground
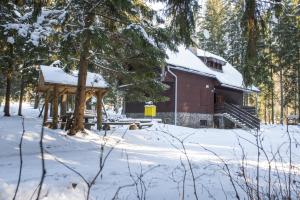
x,y
21,159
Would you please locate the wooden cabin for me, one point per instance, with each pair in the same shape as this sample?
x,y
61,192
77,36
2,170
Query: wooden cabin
x,y
204,91
56,86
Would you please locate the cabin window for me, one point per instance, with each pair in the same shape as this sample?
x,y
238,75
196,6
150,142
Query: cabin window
x,y
203,122
213,63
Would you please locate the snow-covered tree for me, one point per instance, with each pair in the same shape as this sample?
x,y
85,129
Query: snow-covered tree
x,y
286,49
212,35
25,28
124,40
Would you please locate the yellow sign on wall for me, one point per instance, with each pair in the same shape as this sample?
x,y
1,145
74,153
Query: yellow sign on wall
x,y
150,111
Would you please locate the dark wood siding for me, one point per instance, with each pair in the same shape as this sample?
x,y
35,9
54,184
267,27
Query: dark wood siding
x,y
134,107
195,93
168,106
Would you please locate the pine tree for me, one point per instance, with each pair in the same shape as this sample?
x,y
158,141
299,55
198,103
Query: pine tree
x,y
25,27
287,53
236,43
212,35
123,34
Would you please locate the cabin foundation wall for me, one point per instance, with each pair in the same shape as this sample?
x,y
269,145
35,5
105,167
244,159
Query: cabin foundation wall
x,y
193,120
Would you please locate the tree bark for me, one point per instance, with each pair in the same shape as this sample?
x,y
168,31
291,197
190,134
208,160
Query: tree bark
x,y
281,97
46,108
55,108
298,86
36,100
265,113
81,84
21,96
51,107
269,113
272,96
63,109
251,29
99,110
7,94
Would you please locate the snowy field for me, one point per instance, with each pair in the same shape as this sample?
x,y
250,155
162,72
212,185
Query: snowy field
x,y
161,162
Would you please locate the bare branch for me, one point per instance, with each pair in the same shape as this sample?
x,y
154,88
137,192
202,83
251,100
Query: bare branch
x,y
43,165
21,159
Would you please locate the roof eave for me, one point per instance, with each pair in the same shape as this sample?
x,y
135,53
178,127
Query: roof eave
x,y
191,71
239,88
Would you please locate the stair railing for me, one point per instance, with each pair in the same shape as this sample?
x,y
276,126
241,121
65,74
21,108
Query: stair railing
x,y
242,115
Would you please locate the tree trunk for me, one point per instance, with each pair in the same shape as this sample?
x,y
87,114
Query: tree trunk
x,y
295,103
51,108
81,84
7,94
99,110
251,30
36,100
265,113
281,97
63,109
21,96
298,87
46,108
55,108
272,97
269,113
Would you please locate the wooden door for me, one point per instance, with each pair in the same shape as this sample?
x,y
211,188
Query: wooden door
x,y
219,99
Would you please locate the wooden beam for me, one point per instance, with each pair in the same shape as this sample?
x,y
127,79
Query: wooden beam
x,y
88,95
55,107
47,94
99,95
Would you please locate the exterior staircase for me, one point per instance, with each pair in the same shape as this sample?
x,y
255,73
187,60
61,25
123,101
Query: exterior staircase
x,y
239,116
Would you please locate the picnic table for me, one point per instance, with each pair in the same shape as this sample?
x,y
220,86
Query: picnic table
x,y
67,120
133,123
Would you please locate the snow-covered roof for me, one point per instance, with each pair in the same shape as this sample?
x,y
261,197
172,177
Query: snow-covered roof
x,y
59,76
203,53
253,88
185,59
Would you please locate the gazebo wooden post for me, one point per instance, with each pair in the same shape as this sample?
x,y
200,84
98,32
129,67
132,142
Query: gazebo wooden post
x,y
55,107
99,95
46,108
88,96
63,109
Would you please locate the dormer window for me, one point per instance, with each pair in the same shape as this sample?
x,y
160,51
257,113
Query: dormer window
x,y
213,63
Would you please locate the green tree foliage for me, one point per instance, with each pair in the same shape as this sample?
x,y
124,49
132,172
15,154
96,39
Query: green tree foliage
x,y
128,42
24,32
212,36
262,40
286,49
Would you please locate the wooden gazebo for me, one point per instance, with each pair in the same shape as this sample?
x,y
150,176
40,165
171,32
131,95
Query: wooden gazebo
x,y
54,83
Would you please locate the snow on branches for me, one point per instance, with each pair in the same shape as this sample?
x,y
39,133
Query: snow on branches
x,y
32,32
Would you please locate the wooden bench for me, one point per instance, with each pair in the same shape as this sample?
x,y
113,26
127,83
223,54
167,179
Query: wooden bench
x,y
141,125
89,125
132,124
292,119
66,121
106,125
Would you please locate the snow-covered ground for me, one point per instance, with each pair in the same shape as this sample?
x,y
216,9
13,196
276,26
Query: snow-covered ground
x,y
144,164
